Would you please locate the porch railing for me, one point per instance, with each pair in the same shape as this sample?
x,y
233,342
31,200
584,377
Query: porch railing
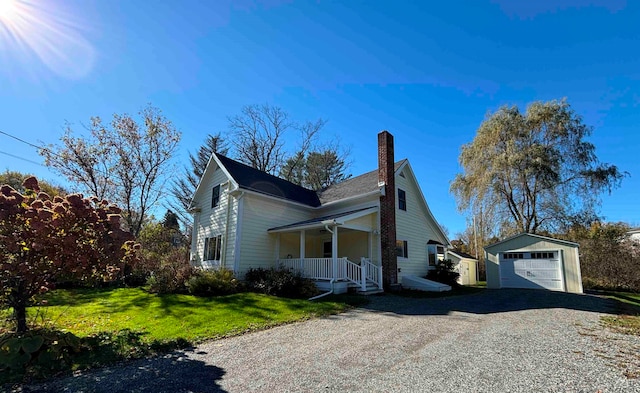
x,y
371,272
342,269
315,268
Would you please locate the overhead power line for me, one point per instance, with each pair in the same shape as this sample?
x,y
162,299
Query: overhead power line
x,y
21,158
31,145
21,140
101,173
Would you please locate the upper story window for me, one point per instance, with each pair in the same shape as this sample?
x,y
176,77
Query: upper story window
x,y
402,200
215,196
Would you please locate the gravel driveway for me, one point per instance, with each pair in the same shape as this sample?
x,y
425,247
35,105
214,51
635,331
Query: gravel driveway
x,y
495,341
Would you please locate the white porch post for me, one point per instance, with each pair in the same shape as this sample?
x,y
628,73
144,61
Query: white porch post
x,y
302,250
277,247
334,251
363,272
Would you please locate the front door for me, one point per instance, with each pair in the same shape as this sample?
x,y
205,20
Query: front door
x,y
326,249
464,273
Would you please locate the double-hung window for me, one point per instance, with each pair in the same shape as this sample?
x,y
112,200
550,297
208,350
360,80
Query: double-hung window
x,y
402,248
215,196
402,200
212,248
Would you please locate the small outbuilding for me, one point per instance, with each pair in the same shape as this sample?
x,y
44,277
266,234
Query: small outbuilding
x,y
466,265
533,261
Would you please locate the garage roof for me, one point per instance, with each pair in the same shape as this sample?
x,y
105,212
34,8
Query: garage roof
x,y
549,239
461,254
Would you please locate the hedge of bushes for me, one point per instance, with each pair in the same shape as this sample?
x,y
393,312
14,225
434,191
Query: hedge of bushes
x,y
214,283
280,282
178,276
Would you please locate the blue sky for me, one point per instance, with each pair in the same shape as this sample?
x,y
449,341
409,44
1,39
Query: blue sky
x,y
426,71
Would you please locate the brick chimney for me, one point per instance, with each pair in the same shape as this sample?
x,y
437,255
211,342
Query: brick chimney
x,y
386,177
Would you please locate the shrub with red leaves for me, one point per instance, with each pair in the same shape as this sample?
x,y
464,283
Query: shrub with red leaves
x,y
43,238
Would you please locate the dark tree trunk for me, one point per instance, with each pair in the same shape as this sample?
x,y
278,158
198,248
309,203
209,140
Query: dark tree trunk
x,y
18,302
20,316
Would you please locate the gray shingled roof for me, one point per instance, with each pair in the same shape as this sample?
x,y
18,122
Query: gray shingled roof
x,y
358,185
255,180
319,220
462,254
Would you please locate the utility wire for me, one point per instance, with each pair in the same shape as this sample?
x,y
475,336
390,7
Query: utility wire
x,y
30,144
101,173
21,158
21,140
26,143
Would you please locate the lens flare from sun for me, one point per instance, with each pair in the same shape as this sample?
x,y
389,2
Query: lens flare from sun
x,y
8,10
43,29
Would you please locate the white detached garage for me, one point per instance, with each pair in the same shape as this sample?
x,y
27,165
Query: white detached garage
x,y
533,261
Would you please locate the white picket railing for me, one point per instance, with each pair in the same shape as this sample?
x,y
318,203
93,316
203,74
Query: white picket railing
x,y
316,268
371,272
342,269
351,271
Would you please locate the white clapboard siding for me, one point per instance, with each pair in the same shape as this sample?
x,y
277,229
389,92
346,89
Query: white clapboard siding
x,y
416,226
212,221
257,247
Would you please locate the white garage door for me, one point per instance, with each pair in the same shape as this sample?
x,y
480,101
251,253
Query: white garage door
x,y
535,269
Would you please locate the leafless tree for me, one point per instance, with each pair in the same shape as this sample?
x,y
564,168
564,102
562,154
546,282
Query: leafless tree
x,y
258,136
125,161
183,187
259,133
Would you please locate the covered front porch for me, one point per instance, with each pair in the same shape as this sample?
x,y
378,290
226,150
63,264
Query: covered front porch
x,y
340,248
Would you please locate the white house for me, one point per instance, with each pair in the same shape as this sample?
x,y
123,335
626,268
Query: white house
x,y
368,231
634,234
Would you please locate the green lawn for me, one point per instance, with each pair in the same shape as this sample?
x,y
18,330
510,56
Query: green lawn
x,y
127,323
628,320
171,317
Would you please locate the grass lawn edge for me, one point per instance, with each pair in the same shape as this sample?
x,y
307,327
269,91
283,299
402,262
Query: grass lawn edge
x,y
627,320
266,312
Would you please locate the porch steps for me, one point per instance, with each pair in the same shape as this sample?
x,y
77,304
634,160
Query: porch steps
x,y
371,289
368,292
344,286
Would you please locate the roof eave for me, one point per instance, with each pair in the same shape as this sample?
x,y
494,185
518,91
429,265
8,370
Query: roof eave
x,y
353,197
486,248
461,256
215,159
283,229
336,221
254,192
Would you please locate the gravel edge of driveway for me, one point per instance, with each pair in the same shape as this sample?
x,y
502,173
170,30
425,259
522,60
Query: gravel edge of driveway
x,y
598,358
